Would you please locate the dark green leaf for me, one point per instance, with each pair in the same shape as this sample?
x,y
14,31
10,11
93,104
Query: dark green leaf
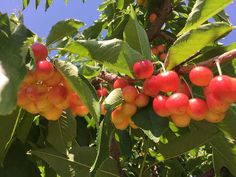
x,y
152,125
25,3
108,168
81,86
48,4
63,29
136,36
62,133
125,143
93,31
115,54
189,43
202,11
37,3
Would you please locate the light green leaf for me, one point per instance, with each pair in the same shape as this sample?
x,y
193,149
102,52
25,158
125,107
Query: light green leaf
x,y
115,54
108,168
81,86
62,29
37,3
8,125
113,99
25,3
62,133
193,41
48,4
200,134
12,66
136,36
202,11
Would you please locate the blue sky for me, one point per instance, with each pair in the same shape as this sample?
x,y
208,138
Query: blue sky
x,y
41,22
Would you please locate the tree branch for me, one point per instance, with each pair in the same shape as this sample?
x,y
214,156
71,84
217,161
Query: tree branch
x,y
163,14
227,56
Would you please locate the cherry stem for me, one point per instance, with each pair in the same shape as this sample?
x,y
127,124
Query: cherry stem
x,y
162,65
218,67
189,89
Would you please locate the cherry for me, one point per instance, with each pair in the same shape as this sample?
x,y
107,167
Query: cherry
x,y
55,79
44,70
163,56
141,100
161,48
197,109
120,83
80,110
22,99
177,103
154,51
102,92
40,51
214,117
159,106
183,88
53,114
129,94
129,109
151,86
74,100
221,88
153,17
117,115
57,94
233,89
182,120
31,108
169,81
216,105
200,76
143,69
124,124
35,91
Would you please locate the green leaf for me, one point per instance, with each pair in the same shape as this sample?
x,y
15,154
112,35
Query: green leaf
x,y
25,3
136,36
125,143
63,29
37,3
48,4
224,154
12,66
113,99
77,163
108,168
103,142
8,125
25,126
81,86
200,134
93,31
120,4
62,133
115,54
193,41
152,125
202,11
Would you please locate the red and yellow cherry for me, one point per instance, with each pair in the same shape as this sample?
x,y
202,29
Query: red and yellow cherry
x,y
53,114
214,117
233,89
200,76
169,81
103,109
129,109
74,100
177,104
182,120
163,56
143,69
44,70
129,94
197,109
120,83
102,92
183,88
31,108
161,48
117,115
123,124
153,17
40,51
57,94
216,105
55,79
141,100
22,98
79,110
35,91
151,86
159,106
155,51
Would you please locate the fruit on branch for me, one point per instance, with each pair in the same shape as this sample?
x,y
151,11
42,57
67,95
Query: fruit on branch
x,y
168,81
129,109
181,120
120,83
40,51
216,105
117,115
163,56
129,94
57,94
143,69
161,48
177,104
53,114
55,79
102,92
184,88
155,51
214,117
151,86
159,106
44,70
200,76
197,109
141,100
124,124
153,17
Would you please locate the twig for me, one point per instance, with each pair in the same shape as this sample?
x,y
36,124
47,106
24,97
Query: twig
x,y
227,56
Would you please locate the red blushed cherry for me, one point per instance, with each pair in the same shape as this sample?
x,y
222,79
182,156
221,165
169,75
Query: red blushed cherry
x,y
151,86
182,120
169,81
200,76
216,105
161,48
159,106
153,17
44,70
40,51
183,88
102,92
129,94
57,94
141,100
177,103
163,56
197,109
233,89
120,83
155,51
214,117
221,88
143,69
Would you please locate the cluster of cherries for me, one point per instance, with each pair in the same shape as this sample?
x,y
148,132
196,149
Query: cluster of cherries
x,y
172,95
44,91
159,50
